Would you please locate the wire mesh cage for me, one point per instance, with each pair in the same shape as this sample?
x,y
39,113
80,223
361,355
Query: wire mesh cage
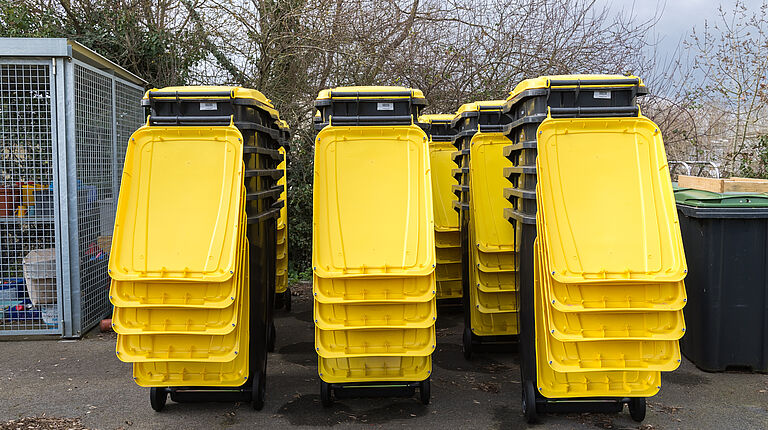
x,y
27,231
65,118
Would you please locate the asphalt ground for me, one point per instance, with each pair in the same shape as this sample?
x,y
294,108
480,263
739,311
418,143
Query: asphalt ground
x,y
52,384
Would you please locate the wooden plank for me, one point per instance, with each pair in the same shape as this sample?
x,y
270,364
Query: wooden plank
x,y
737,178
707,184
748,186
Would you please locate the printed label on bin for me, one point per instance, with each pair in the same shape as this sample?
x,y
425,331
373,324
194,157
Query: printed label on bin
x,y
208,106
385,106
602,95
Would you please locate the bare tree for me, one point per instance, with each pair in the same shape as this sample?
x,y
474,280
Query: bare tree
x,y
710,100
456,51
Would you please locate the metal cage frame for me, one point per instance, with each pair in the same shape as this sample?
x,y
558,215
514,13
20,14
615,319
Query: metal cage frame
x,y
94,107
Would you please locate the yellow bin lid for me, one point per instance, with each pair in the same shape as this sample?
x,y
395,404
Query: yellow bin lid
x,y
606,201
178,214
372,202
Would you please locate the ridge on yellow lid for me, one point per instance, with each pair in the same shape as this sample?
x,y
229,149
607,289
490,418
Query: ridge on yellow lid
x,y
235,92
466,107
350,214
544,82
637,238
481,105
435,117
490,104
383,90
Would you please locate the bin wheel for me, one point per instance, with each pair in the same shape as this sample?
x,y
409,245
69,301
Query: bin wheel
x,y
271,338
157,398
326,394
466,340
278,300
425,391
637,409
287,299
258,390
529,403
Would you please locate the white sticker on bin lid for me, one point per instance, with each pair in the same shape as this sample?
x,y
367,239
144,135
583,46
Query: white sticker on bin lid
x,y
602,95
385,106
208,106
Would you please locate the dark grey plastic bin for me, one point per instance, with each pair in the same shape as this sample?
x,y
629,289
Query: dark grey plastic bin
x,y
726,244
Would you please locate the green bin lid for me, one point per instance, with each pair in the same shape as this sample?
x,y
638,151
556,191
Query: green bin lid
x,y
708,199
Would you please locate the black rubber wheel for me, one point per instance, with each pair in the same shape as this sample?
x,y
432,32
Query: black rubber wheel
x,y
425,391
278,300
157,398
637,409
529,403
258,390
271,338
287,299
326,394
466,340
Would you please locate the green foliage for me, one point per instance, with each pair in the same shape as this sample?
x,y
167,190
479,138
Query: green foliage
x,y
159,55
300,173
295,276
756,165
16,20
127,33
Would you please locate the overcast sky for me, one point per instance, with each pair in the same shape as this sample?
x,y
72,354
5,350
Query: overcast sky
x,y
678,16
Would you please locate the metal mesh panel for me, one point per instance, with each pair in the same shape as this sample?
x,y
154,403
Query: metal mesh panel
x,y
95,203
28,289
129,116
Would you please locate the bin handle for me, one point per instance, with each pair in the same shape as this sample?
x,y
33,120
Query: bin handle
x,y
595,83
228,120
357,95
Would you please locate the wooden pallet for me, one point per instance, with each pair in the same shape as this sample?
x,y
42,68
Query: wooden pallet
x,y
724,185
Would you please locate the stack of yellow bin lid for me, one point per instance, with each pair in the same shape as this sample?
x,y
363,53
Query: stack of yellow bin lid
x,y
281,285
491,238
373,243
610,294
596,227
447,245
491,303
181,299
200,214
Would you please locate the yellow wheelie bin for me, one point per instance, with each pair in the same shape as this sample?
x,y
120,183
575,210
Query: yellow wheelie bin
x,y
599,255
373,250
487,252
198,191
283,293
447,245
